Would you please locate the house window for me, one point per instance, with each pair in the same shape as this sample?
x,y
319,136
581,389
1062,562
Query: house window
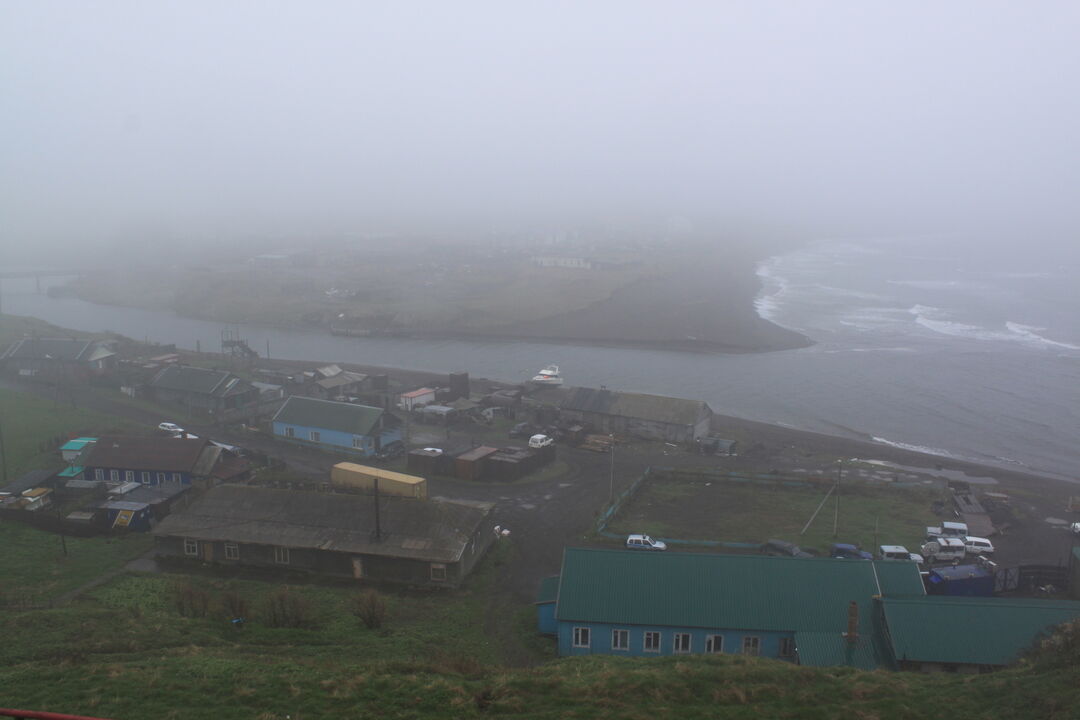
x,y
651,642
314,435
160,478
714,643
620,639
438,572
581,637
191,547
99,475
289,432
281,555
357,441
751,645
232,551
114,476
129,476
176,478
145,477
682,643
787,647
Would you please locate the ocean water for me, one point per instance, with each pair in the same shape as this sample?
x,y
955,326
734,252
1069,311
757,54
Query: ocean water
x,y
919,343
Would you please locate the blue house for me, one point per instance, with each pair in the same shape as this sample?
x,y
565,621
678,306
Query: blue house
x,y
357,429
154,461
809,611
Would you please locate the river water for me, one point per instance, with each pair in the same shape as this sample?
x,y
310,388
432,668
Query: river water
x,y
915,347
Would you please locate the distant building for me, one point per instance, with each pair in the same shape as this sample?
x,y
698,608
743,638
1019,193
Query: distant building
x,y
563,261
657,417
202,390
418,542
357,429
59,358
417,398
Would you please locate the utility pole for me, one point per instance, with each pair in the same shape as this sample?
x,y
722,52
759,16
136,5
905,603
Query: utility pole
x,y
3,458
378,526
611,483
836,514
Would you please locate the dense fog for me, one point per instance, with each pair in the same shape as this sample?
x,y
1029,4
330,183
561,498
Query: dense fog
x,y
180,123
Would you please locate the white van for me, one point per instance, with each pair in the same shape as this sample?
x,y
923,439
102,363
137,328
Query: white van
x,y
899,552
948,529
644,542
945,549
539,441
978,546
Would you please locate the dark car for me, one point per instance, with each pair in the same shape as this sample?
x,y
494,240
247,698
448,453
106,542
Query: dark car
x,y
784,549
844,551
522,430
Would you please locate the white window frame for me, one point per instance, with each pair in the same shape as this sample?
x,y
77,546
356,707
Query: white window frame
x,y
714,643
145,477
657,639
114,476
232,551
290,431
787,647
358,442
160,477
191,547
129,476
99,475
314,435
281,555
582,637
751,645
620,639
681,639
438,572
177,478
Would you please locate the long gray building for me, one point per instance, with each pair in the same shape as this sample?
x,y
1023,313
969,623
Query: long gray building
x,y
675,420
419,542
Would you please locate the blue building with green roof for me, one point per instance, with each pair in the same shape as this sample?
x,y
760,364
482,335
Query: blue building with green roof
x,y
355,429
811,611
649,604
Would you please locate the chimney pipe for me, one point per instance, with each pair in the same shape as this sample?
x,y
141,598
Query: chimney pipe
x,y
852,633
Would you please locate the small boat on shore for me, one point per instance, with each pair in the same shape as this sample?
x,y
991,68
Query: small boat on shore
x,y
548,376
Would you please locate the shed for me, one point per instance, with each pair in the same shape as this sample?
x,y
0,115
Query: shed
x,y
417,398
127,514
651,416
545,605
425,461
469,465
71,450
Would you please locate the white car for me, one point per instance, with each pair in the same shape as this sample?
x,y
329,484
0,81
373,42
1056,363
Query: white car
x,y
944,549
644,542
1075,527
170,428
540,441
978,546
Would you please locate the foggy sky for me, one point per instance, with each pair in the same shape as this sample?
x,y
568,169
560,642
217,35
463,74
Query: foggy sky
x,y
207,119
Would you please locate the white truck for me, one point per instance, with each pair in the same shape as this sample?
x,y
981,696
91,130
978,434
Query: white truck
x,y
948,529
944,549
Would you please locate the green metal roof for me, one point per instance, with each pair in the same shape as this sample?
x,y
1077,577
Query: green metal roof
x,y
184,378
969,630
751,592
78,443
549,590
329,415
70,471
828,649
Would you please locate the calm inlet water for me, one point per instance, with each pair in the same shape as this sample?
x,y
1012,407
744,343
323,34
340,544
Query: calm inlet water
x,y
916,347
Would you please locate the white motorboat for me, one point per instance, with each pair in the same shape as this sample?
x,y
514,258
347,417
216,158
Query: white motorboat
x,y
548,376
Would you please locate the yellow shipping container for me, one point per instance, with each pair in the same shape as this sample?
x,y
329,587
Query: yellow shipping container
x,y
350,476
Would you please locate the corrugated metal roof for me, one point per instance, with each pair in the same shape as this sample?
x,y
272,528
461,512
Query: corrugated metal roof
x,y
329,415
827,649
968,630
549,589
148,453
184,378
78,443
658,408
750,592
69,349
429,530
